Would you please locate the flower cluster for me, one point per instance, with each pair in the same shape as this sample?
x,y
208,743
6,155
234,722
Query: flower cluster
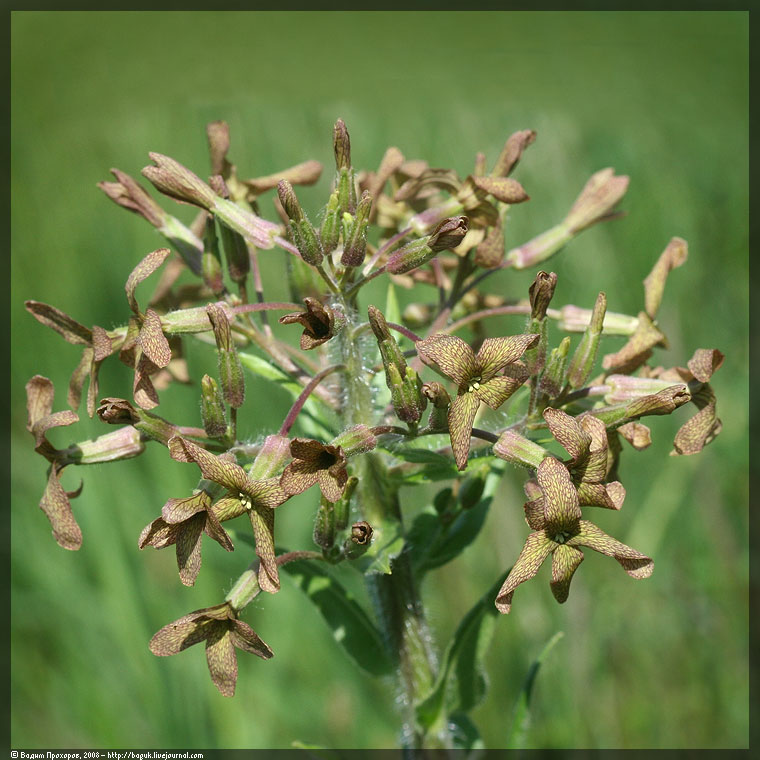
x,y
362,413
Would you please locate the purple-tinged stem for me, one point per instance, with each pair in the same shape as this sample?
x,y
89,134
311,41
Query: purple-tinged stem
x,y
305,393
494,312
404,331
289,247
266,306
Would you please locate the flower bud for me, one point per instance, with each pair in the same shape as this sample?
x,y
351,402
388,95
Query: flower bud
x,y
584,357
212,408
356,440
448,233
324,525
178,182
304,235
553,378
596,201
329,232
541,293
411,256
519,450
230,370
341,145
355,243
289,201
662,402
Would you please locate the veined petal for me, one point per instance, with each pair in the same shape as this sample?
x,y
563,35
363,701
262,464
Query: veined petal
x,y
189,548
153,341
496,353
245,638
700,430
332,483
565,561
534,513
594,468
214,468
56,505
298,476
222,660
144,269
497,390
158,534
179,510
636,564
461,417
449,355
560,497
179,635
227,508
262,521
596,495
267,493
536,550
215,530
568,433
307,449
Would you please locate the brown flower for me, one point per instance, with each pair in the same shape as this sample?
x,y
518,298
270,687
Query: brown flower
x,y
315,462
477,378
320,323
220,628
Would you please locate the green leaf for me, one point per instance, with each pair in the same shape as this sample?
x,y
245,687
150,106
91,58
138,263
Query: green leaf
x,y
435,466
461,682
521,713
350,625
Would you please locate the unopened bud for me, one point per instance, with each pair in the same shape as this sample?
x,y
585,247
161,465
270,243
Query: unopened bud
x,y
582,363
212,408
356,440
355,243
662,402
517,449
541,293
329,232
597,200
411,256
230,370
178,182
448,233
289,201
553,378
341,146
324,525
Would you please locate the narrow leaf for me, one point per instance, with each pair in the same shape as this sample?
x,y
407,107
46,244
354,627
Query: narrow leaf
x,y
521,715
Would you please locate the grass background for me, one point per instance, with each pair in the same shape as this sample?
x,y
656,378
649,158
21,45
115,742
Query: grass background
x,y
662,97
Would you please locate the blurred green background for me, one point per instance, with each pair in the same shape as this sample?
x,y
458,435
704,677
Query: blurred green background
x,y
662,97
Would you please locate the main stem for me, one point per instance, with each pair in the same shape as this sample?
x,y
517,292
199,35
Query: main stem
x,y
395,596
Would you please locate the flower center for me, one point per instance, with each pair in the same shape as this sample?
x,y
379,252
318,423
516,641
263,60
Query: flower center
x,y
245,501
474,384
561,537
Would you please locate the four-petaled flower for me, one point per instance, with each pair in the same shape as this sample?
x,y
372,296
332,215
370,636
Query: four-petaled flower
x,y
182,523
585,439
244,494
220,628
315,462
320,323
477,377
559,531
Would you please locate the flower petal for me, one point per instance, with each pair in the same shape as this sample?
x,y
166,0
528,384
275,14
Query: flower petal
x,y
307,449
565,562
144,269
449,355
153,341
262,521
245,638
701,429
298,476
267,493
227,508
704,363
534,513
56,505
332,484
189,548
222,660
214,468
461,417
497,390
568,433
179,635
536,550
63,324
179,510
594,469
158,534
496,353
636,564
214,529
560,497
596,495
